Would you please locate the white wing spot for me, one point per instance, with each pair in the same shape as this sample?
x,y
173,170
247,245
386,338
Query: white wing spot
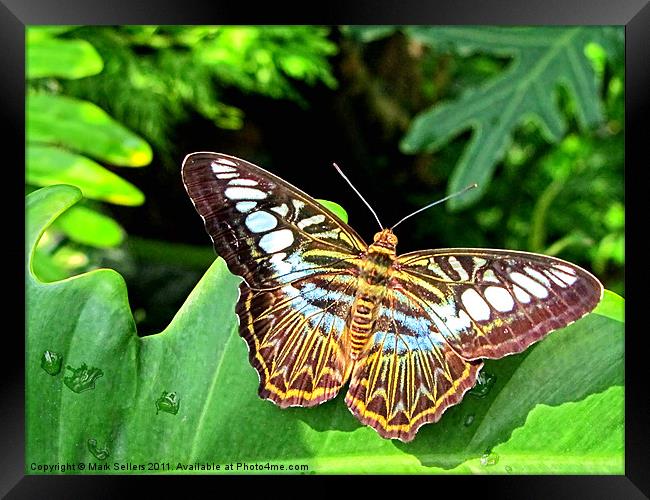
x,y
278,263
475,305
243,182
537,275
435,268
221,169
500,298
490,276
276,240
316,219
245,206
529,285
298,205
566,269
569,279
226,162
522,296
464,321
555,279
244,193
283,210
458,267
260,222
227,176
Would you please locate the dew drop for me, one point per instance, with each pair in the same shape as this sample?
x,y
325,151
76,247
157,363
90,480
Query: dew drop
x,y
168,402
489,458
469,420
82,378
98,453
51,362
484,383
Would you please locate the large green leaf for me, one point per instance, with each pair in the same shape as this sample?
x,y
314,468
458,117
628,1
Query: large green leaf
x,y
84,127
556,408
543,58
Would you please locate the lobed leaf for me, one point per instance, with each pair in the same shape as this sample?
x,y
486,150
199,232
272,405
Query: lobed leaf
x,y
542,59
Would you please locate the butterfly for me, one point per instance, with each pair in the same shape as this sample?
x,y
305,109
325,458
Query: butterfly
x,y
319,307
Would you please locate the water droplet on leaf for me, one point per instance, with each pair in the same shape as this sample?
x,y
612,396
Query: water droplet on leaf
x,y
489,458
469,420
51,362
99,453
168,402
82,378
484,383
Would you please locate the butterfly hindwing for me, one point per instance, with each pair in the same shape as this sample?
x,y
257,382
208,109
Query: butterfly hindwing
x,y
491,303
268,231
408,375
296,337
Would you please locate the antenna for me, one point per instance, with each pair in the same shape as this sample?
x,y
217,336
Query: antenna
x,y
381,226
471,186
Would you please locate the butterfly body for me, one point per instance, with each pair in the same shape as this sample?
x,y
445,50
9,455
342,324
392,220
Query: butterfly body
x,y
320,308
375,272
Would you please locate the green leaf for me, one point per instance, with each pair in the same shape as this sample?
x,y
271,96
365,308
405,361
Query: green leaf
x,y
188,395
47,165
612,306
598,435
82,126
62,59
543,58
89,227
38,33
367,33
337,209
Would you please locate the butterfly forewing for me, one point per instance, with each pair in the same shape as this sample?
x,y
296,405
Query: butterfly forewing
x,y
268,231
491,303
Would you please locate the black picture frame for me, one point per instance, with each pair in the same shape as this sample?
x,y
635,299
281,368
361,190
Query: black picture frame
x,y
15,15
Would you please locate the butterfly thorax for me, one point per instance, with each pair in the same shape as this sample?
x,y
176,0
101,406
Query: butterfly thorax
x,y
374,274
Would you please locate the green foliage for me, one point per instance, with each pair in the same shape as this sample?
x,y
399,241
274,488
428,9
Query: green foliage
x,y
559,154
542,59
52,57
65,139
156,76
83,127
188,394
47,165
336,208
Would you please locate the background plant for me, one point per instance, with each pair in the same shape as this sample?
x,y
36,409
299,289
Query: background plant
x,y
66,137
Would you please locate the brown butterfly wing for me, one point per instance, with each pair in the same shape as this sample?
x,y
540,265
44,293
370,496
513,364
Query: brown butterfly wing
x,y
300,265
491,303
268,231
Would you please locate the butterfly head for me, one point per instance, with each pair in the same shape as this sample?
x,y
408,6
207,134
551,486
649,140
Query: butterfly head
x,y
385,239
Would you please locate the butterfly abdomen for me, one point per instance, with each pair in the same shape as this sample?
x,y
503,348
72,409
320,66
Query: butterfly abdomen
x,y
375,272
